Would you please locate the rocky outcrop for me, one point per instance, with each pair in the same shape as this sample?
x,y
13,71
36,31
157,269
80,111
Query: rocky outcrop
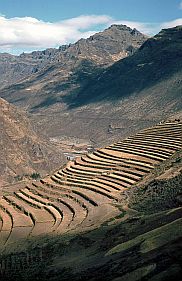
x,y
103,48
23,152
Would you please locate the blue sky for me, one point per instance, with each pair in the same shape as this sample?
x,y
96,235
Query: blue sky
x,y
55,10
27,25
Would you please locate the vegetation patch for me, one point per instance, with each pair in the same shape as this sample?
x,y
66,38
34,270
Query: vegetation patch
x,y
137,274
152,239
33,176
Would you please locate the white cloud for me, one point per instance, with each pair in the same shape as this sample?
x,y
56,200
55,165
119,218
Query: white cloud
x,y
84,22
27,33
31,32
172,23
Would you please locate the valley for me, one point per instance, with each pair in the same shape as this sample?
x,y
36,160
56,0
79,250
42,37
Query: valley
x,y
81,99
91,159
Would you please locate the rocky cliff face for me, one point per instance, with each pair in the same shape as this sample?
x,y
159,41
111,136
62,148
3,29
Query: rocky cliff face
x,y
103,48
157,61
22,151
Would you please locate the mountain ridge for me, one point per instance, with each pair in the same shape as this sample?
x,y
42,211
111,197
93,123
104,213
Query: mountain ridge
x,y
119,41
156,59
104,105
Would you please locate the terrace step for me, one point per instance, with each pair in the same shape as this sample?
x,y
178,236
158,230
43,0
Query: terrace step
x,y
101,164
172,130
120,155
43,221
139,153
74,211
156,144
66,173
146,150
54,210
5,228
82,172
70,179
176,139
166,126
97,197
21,224
88,186
169,136
111,179
147,146
118,186
71,192
65,209
108,159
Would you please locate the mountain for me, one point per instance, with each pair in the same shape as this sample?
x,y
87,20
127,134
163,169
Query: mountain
x,y
23,152
103,48
55,72
135,92
157,63
14,68
104,105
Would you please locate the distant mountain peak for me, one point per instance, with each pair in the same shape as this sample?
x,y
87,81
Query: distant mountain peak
x,y
120,26
123,27
102,49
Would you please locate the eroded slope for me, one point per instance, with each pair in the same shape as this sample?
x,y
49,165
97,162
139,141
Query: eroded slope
x,y
22,151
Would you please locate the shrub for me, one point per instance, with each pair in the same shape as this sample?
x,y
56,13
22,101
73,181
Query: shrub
x,y
35,176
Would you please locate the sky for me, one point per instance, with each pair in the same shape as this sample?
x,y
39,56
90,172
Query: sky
x,y
27,25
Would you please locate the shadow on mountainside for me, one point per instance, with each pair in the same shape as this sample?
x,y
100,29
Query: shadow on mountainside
x,y
157,60
157,64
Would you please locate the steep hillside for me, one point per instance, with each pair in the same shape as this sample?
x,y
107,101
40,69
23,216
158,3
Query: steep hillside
x,y
104,105
114,215
157,64
103,48
22,151
14,68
